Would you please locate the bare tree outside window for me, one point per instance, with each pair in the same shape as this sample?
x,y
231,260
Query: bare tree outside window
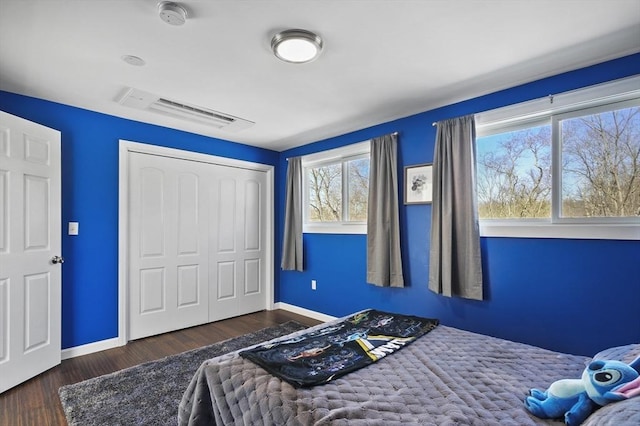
x,y
325,193
358,189
328,183
601,171
600,168
514,174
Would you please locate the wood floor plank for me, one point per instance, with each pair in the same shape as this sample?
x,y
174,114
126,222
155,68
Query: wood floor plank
x,y
36,401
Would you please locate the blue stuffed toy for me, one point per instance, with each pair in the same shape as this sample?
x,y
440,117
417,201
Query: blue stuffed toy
x,y
602,382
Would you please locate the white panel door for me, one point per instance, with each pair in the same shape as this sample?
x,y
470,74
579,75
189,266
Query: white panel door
x,y
237,247
168,264
30,246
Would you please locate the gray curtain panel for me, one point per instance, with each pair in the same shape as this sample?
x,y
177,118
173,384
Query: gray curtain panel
x,y
292,256
384,260
455,266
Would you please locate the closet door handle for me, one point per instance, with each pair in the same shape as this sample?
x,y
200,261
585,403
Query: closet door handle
x,y
57,259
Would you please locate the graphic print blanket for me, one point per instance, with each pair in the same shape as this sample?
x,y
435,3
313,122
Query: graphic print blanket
x,y
320,356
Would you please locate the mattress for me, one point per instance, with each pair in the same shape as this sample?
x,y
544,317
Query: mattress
x,y
446,377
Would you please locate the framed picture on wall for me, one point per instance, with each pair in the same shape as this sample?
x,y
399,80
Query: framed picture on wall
x,y
418,184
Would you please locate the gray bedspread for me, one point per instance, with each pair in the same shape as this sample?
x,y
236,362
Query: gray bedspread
x,y
447,377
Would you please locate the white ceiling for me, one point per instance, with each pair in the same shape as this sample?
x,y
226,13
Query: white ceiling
x,y
382,59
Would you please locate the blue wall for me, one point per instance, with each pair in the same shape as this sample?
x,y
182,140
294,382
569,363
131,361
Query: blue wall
x,y
576,296
90,196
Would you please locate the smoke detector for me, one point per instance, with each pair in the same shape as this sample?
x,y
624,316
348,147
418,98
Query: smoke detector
x,y
172,13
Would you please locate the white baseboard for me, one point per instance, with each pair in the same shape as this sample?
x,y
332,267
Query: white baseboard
x,y
303,311
90,348
115,342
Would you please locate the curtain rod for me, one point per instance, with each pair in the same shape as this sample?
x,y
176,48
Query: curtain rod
x,y
393,134
550,98
390,134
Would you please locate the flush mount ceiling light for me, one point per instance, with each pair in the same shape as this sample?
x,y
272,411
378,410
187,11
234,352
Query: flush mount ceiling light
x,y
296,46
133,60
172,13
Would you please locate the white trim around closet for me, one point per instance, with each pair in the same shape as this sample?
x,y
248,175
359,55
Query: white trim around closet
x,y
127,147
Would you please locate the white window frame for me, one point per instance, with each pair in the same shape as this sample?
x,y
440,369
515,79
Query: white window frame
x,y
333,156
614,95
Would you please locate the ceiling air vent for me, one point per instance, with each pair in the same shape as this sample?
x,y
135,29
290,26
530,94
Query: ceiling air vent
x,y
147,101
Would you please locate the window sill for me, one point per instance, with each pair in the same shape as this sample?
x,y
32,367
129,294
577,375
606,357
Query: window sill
x,y
567,231
335,228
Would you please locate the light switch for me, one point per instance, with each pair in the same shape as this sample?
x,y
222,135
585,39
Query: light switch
x,y
73,228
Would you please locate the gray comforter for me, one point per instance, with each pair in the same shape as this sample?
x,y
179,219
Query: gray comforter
x,y
447,377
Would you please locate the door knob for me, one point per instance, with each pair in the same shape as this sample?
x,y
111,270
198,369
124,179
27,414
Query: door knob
x,y
57,259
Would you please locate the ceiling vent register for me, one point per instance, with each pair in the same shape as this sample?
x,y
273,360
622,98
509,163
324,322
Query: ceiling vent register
x,y
139,99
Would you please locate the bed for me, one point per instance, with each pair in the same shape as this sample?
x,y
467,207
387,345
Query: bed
x,y
445,377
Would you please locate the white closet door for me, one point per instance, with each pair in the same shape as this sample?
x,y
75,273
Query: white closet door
x,y
197,243
168,260
237,245
30,242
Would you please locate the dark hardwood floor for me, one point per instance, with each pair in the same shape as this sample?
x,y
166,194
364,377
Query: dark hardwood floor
x,y
36,402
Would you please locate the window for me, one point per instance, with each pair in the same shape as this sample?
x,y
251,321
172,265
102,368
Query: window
x,y
336,190
514,174
566,170
600,157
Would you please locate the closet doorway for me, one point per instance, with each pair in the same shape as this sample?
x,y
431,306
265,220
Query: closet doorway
x,y
198,239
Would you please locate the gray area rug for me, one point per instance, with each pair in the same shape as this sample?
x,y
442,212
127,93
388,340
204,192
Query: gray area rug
x,y
149,393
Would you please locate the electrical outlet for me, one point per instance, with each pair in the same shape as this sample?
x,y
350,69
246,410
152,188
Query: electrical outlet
x,y
313,284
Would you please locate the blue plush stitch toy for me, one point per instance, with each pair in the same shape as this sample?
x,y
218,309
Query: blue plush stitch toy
x,y
602,382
